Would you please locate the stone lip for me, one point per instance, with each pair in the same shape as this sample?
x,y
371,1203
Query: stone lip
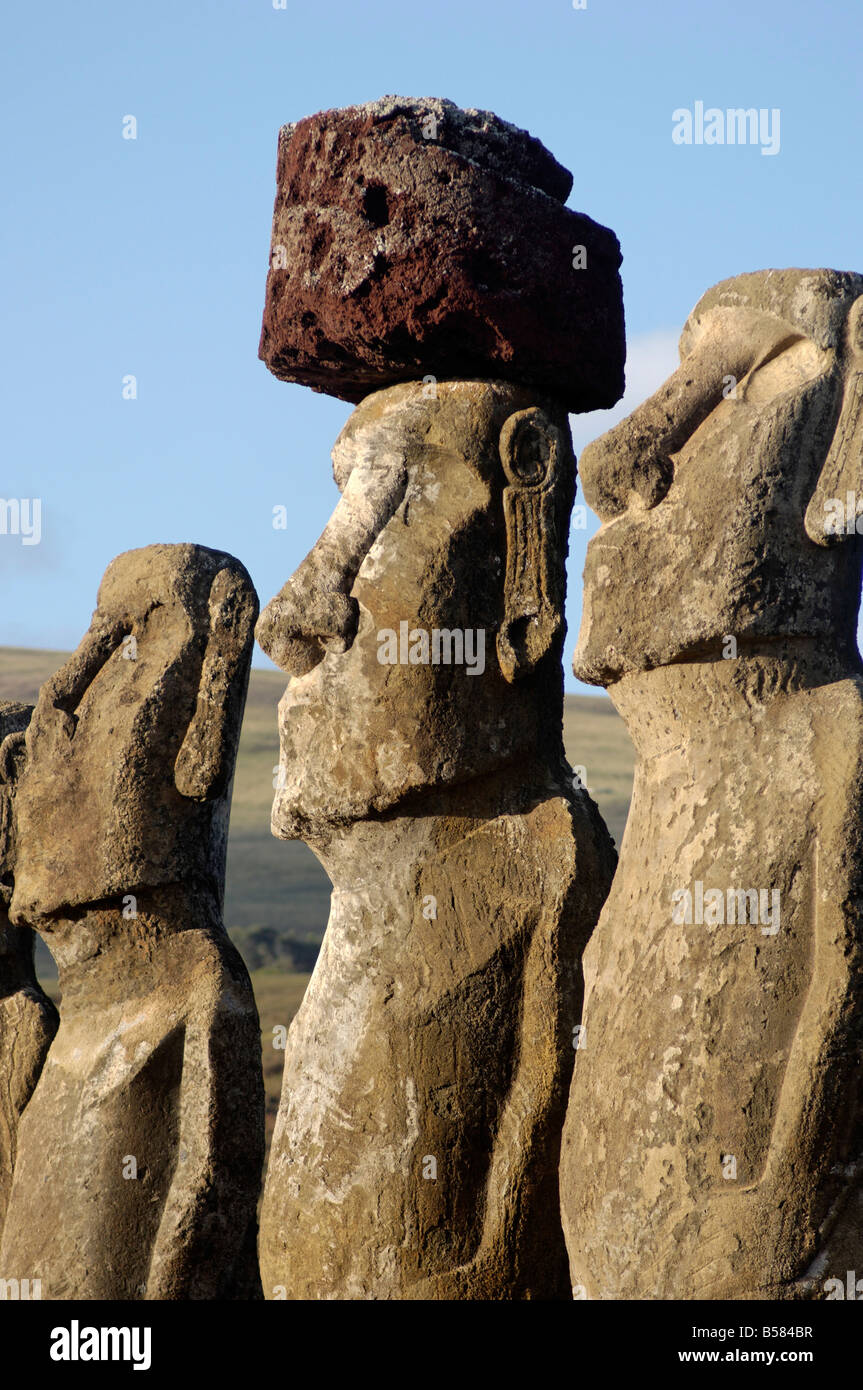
x,y
413,238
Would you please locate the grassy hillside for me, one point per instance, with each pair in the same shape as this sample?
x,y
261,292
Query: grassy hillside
x,y
277,894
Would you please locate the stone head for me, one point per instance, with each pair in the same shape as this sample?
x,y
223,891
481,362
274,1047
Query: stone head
x,y
129,756
719,496
423,632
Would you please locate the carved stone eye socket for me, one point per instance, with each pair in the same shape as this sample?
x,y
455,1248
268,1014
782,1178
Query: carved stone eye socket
x,y
528,443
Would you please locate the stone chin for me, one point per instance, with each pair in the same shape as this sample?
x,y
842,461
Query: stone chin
x,y
350,751
617,634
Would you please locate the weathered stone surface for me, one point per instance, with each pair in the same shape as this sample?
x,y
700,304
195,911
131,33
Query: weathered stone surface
x,y
28,1019
140,1152
416,1148
714,1140
411,238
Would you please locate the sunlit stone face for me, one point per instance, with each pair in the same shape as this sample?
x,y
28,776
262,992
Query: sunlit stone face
x,y
408,692
102,805
724,552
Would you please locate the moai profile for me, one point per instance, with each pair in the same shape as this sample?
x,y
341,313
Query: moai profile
x,y
717,1106
140,1152
28,1019
416,1147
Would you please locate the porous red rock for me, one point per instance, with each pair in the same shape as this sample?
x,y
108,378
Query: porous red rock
x,y
413,238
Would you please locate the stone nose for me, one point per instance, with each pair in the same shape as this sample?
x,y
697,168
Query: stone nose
x,y
315,613
631,467
301,624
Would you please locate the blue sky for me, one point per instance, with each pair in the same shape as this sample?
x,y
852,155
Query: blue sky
x,y
149,256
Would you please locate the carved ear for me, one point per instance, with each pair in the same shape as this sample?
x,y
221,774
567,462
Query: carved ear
x,y
533,453
205,762
837,501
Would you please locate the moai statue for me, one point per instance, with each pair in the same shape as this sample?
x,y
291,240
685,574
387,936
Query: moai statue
x,y
416,1148
140,1153
713,1146
28,1019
